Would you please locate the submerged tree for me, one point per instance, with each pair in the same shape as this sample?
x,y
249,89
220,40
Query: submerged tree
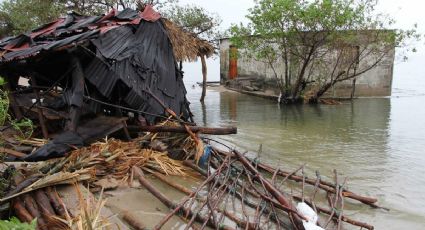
x,y
320,41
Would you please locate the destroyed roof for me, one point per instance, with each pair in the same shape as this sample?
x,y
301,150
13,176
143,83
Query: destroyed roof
x,y
126,57
76,29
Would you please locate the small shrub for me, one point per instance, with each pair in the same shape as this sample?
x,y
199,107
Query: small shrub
x,y
15,224
24,126
4,103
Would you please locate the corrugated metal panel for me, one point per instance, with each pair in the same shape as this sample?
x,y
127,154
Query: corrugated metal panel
x,y
130,59
100,75
127,14
114,42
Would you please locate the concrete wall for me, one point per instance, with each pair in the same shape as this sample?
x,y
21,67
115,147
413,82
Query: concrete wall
x,y
375,83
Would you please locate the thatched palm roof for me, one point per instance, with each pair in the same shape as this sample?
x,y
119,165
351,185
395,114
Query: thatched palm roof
x,y
186,46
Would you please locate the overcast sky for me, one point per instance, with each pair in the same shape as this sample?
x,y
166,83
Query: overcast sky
x,y
406,13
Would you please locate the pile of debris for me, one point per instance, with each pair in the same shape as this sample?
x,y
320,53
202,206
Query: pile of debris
x,y
234,191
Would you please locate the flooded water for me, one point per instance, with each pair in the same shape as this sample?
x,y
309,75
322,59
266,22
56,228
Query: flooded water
x,y
377,143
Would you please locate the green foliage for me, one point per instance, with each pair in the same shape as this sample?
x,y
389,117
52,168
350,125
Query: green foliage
x,y
4,103
194,19
25,127
15,224
18,16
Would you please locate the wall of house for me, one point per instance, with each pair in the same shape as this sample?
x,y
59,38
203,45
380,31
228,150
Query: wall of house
x,y
374,83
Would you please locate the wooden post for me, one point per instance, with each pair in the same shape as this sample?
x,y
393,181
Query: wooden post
x,y
233,62
204,77
39,110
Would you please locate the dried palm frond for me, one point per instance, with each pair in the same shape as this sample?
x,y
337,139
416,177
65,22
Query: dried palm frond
x,y
36,142
89,216
116,158
186,46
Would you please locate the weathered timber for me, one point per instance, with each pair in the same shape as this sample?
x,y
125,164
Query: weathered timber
x,y
329,212
33,209
20,211
167,202
12,152
272,190
54,201
329,187
44,203
195,129
22,185
133,221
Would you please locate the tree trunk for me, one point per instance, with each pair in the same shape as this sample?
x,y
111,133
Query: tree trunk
x,y
353,90
315,98
204,78
296,89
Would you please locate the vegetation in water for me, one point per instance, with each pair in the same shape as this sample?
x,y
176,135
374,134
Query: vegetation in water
x,y
320,41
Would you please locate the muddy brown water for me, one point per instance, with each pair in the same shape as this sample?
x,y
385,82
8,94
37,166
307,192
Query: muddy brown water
x,y
378,144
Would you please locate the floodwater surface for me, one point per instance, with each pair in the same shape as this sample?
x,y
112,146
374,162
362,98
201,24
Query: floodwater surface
x,y
377,143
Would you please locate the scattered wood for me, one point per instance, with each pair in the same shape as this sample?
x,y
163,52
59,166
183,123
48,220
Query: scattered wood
x,y
229,180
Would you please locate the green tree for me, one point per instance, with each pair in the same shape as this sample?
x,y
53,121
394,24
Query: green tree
x,y
17,16
320,40
196,20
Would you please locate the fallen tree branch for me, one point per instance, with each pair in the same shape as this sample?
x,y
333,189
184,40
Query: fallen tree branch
x,y
195,129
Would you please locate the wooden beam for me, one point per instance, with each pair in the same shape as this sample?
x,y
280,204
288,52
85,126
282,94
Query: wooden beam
x,y
39,110
195,129
12,152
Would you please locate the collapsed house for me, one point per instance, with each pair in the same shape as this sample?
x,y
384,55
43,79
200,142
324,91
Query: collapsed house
x,y
85,77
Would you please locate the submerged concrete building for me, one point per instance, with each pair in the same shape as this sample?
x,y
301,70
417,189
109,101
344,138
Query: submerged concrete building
x,y
245,73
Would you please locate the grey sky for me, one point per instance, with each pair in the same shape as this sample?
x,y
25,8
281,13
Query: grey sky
x,y
406,13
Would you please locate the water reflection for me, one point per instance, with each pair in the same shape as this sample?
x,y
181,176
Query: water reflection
x,y
378,143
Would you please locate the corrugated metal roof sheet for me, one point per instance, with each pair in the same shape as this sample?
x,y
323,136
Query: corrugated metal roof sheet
x,y
65,31
132,57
